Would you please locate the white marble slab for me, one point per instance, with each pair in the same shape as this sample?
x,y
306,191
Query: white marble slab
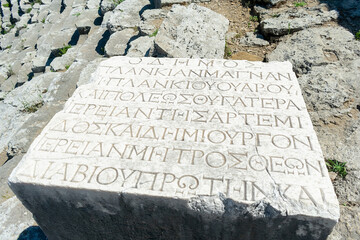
x,y
196,133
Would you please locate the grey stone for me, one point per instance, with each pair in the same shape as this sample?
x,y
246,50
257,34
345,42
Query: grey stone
x,y
38,64
93,4
119,21
151,14
78,3
15,10
15,103
315,47
84,20
141,47
42,16
14,219
4,72
30,129
126,15
107,5
6,15
5,171
7,40
133,6
348,227
9,84
118,42
192,31
327,60
227,185
293,20
24,72
28,57
171,2
147,28
63,86
152,20
332,94
84,26
55,6
88,50
30,93
30,37
85,75
60,63
252,39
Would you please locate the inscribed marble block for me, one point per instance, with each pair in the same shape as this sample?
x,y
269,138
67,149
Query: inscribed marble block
x,y
159,148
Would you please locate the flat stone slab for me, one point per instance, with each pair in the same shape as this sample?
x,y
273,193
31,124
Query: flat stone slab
x,y
180,149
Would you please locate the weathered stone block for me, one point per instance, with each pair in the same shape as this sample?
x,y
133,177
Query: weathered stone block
x,y
192,31
180,149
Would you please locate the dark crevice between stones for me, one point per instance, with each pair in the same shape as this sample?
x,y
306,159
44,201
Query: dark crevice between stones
x,y
1,15
358,107
30,76
99,19
50,59
99,9
19,84
58,53
100,48
129,42
12,20
21,12
146,7
9,157
74,38
63,6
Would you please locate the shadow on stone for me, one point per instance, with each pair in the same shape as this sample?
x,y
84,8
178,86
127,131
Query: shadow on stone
x,y
146,7
100,48
63,6
349,13
74,38
131,216
98,21
32,233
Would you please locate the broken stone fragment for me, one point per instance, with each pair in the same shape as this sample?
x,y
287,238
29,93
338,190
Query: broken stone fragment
x,y
126,15
293,20
38,64
151,14
252,39
193,31
83,26
118,42
171,2
141,47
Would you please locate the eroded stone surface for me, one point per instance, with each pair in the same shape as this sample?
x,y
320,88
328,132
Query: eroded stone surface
x,y
192,31
180,148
